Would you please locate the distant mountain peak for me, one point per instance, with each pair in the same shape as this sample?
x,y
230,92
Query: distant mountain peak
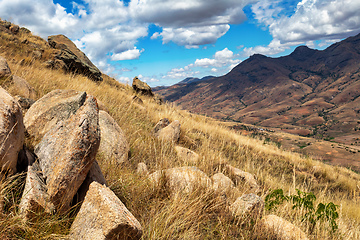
x,y
302,53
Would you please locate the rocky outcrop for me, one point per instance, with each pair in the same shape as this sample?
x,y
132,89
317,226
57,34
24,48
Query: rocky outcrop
x,y
52,108
12,132
114,145
103,216
180,180
244,178
74,59
222,183
4,68
170,133
186,155
248,206
67,152
274,227
35,198
142,87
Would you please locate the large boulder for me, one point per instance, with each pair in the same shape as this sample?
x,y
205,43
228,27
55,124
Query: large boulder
x,y
74,59
186,155
23,88
274,227
52,108
35,198
66,153
103,216
113,145
249,206
4,68
170,133
180,180
142,87
12,132
240,177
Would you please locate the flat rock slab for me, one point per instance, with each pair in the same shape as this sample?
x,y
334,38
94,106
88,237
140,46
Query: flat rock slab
x,y
274,227
35,198
180,180
103,216
52,108
113,145
74,59
66,153
12,132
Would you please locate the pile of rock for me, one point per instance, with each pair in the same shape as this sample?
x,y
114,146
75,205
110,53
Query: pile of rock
x,y
63,172
247,208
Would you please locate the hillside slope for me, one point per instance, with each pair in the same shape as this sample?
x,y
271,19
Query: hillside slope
x,y
194,216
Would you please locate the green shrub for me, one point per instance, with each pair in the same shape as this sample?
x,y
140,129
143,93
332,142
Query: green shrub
x,y
323,212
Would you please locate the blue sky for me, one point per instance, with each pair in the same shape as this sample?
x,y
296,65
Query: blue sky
x,y
165,41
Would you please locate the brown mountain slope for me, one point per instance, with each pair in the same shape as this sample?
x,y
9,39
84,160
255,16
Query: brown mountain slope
x,y
308,92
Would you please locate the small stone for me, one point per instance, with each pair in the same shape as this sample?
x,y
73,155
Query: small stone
x,y
180,180
186,155
274,227
170,133
248,206
241,177
222,183
142,169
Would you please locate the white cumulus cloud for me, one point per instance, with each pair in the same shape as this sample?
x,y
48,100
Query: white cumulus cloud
x,y
127,55
305,22
190,23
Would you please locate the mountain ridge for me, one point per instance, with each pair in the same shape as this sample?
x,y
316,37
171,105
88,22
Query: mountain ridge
x,y
291,91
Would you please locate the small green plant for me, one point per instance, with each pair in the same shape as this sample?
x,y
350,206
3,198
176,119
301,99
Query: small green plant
x,y
323,212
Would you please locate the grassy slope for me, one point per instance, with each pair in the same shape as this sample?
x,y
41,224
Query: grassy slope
x,y
193,217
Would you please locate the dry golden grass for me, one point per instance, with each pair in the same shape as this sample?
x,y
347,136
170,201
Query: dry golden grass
x,y
196,216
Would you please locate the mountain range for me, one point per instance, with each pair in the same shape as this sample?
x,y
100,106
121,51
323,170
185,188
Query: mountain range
x,y
308,93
